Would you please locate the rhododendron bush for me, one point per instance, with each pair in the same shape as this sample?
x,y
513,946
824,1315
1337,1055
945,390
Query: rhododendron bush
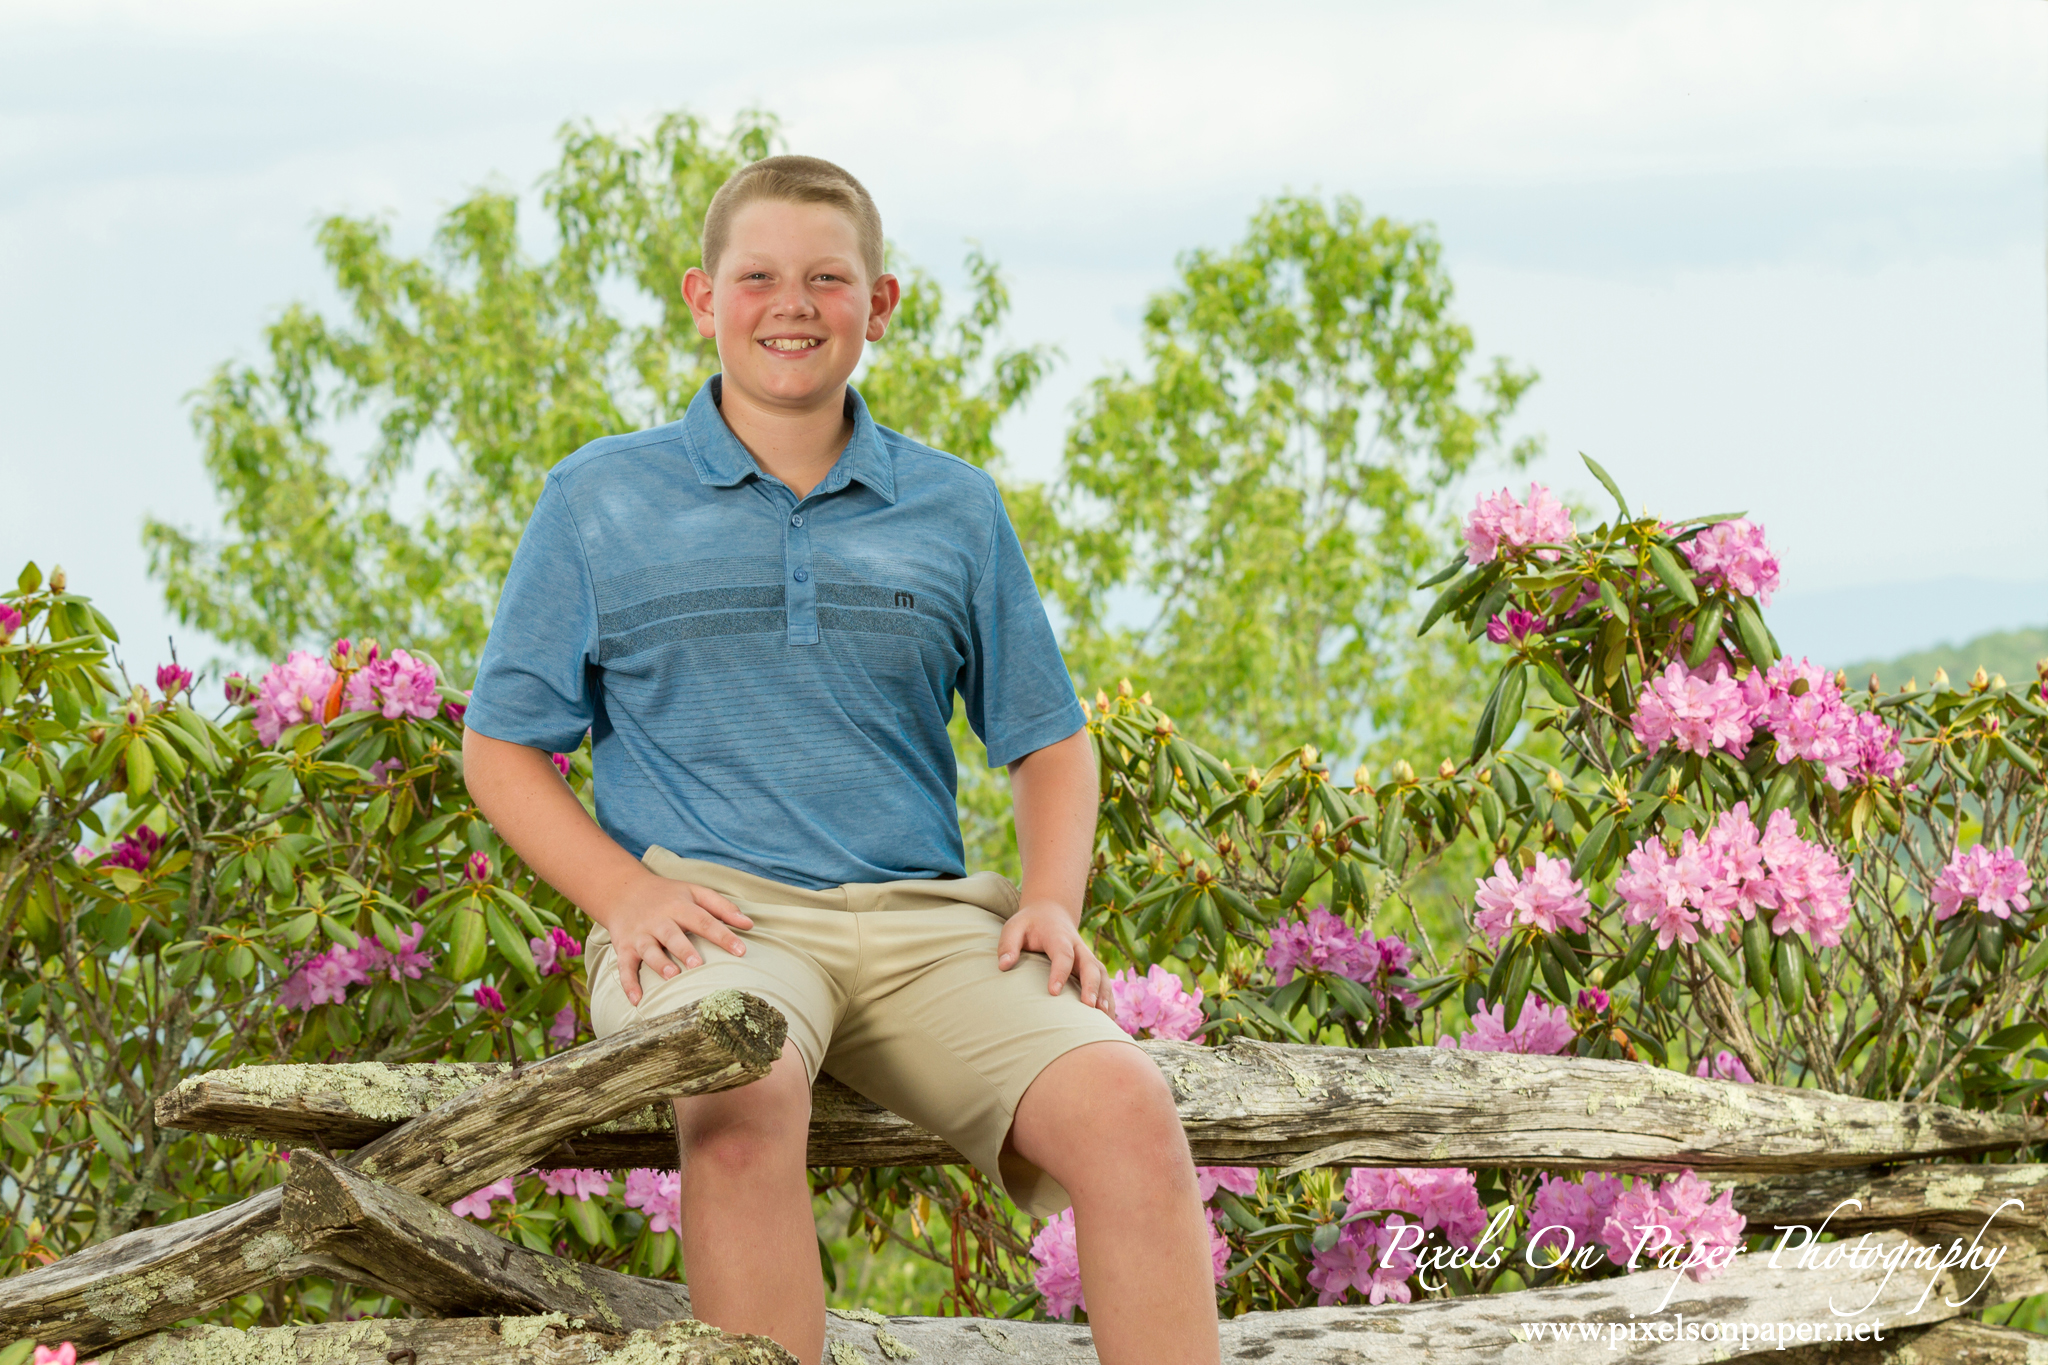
x,y
1666,845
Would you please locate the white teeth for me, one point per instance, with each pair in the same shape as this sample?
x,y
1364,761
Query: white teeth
x,y
790,343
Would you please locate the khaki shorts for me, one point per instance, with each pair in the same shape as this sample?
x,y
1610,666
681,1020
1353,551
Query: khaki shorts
x,y
891,988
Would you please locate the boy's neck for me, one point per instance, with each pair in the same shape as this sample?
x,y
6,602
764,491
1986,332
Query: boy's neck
x,y
797,446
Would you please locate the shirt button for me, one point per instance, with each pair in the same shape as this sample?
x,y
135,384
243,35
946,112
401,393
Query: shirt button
x,y
803,575
796,519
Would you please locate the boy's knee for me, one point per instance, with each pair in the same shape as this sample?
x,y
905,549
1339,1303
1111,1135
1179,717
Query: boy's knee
x,y
741,1150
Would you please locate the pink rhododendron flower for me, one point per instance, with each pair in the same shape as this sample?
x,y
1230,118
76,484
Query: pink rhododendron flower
x,y
171,680
292,693
563,1030
576,1183
1368,1257
1723,1066
10,621
1808,716
1733,874
478,868
399,686
1997,882
405,964
1570,1213
552,952
1732,555
1514,627
1594,1000
1058,1270
1439,1197
1236,1179
1500,524
1156,1005
64,1353
659,1195
1219,1247
1695,713
1645,1221
1323,942
322,979
136,849
1542,1031
1544,895
561,762
478,1203
488,997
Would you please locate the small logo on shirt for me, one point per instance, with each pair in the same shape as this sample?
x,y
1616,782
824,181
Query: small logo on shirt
x,y
906,601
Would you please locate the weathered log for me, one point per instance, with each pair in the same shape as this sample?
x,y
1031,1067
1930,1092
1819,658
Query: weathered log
x,y
1531,1327
1959,1198
154,1276
433,1259
547,1339
1252,1104
1959,1341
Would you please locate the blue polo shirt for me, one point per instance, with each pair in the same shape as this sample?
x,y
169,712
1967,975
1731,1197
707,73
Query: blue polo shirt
x,y
767,679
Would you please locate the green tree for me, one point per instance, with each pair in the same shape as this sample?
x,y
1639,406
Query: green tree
x,y
481,366
1271,488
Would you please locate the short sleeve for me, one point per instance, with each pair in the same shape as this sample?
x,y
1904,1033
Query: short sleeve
x,y
1018,693
535,683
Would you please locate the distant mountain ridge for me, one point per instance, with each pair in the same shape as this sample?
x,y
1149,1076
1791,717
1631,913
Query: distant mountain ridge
x,y
2012,654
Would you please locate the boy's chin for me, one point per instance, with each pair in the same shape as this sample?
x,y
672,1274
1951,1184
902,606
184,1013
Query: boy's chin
x,y
790,386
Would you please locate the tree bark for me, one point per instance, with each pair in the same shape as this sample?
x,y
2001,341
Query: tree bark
x,y
1246,1103
541,1340
1959,1198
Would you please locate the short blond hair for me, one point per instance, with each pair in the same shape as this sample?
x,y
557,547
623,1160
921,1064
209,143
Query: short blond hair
x,y
794,180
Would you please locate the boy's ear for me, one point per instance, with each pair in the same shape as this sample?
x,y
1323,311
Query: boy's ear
x,y
882,301
697,294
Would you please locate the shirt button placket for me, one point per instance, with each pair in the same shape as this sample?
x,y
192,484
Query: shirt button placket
x,y
800,587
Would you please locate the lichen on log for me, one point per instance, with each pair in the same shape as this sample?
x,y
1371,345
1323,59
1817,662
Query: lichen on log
x,y
546,1339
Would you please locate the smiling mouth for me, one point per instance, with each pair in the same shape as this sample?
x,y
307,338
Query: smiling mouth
x,y
792,343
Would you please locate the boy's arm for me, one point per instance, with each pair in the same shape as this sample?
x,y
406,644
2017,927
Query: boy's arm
x,y
532,808
1054,792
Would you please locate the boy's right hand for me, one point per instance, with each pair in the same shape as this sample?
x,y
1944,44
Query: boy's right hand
x,y
652,923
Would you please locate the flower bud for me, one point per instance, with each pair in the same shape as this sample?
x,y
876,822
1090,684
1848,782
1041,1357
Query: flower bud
x,y
1555,782
1183,857
1941,680
1912,685
1361,779
1163,728
1875,686
1447,770
1403,773
1123,687
1342,844
1226,846
10,621
478,869
1980,679
1308,756
57,579
1998,682
1486,777
1145,697
1319,831
1102,701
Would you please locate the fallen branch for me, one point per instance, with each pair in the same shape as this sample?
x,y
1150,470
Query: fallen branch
x,y
155,1276
1619,1316
1948,1198
1244,1104
446,1264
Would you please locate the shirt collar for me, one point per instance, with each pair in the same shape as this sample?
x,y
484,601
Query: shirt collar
x,y
722,462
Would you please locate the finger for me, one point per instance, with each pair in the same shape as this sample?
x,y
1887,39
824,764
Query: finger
x,y
679,948
1089,974
706,925
1010,944
1062,963
629,971
721,907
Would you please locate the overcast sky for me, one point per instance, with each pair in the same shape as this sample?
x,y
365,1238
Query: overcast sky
x,y
1781,256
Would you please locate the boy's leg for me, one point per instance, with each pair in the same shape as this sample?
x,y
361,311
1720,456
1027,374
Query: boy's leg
x,y
750,1244
1100,1120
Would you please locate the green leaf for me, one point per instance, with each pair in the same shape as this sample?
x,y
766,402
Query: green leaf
x,y
1611,600
1706,633
1606,482
1513,682
511,945
20,1351
1671,576
1716,957
1750,632
30,577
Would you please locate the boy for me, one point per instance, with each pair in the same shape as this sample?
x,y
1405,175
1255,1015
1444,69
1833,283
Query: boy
x,y
761,612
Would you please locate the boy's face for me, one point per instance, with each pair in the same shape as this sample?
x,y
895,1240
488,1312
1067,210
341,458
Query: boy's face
x,y
791,305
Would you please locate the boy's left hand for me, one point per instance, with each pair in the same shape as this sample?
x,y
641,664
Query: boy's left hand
x,y
1048,927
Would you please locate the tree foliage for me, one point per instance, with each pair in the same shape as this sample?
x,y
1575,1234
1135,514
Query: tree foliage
x,y
468,371
1271,487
